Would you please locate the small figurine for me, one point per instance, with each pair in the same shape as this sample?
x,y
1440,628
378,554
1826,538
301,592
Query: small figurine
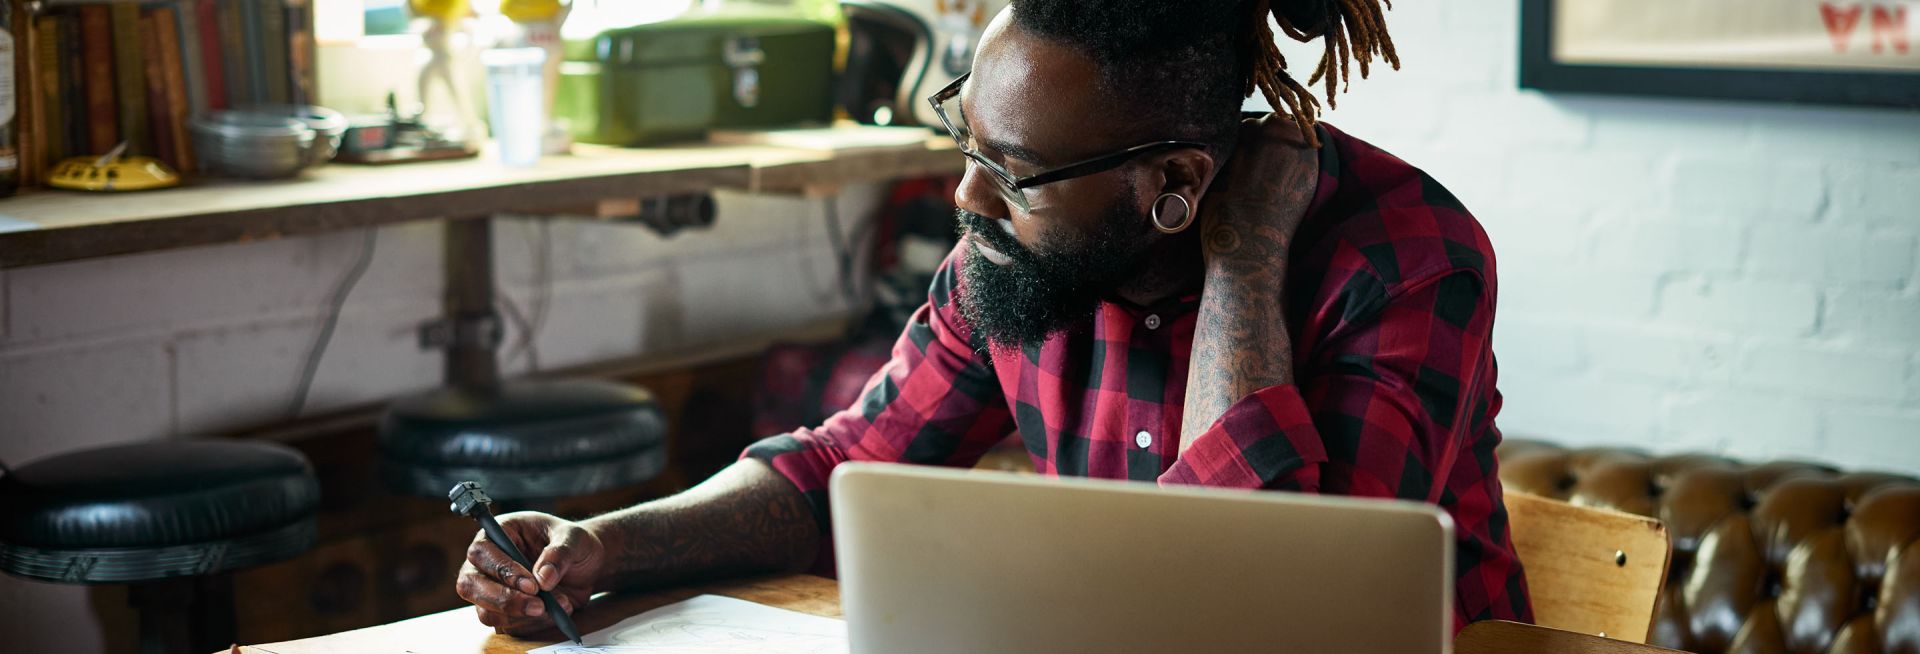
x,y
444,19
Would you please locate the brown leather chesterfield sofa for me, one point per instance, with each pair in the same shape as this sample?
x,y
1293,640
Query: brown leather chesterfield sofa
x,y
1775,557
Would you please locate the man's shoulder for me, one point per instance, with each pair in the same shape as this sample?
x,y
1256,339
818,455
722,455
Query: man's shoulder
x,y
1386,219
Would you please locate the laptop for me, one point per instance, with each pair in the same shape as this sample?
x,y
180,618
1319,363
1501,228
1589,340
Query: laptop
x,y
940,560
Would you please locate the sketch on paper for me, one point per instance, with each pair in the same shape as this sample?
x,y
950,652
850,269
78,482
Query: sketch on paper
x,y
714,624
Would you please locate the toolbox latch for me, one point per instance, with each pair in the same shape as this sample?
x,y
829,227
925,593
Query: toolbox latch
x,y
744,56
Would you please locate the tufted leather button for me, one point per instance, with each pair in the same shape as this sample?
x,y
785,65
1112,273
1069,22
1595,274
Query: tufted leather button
x,y
1698,501
1793,511
1617,482
1882,523
1535,469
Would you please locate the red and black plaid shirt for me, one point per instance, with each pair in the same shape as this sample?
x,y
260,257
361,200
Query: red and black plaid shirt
x,y
1391,311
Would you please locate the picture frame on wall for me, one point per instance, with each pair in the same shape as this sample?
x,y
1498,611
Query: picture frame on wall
x,y
1844,52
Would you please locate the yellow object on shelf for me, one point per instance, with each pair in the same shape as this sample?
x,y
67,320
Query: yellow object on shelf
x,y
112,173
445,10
527,11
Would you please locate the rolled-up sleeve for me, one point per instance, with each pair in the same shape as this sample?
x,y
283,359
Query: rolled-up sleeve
x,y
935,402
1379,412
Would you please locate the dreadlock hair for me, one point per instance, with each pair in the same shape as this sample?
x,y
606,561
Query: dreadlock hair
x,y
1184,67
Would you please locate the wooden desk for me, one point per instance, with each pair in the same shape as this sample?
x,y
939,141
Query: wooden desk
x,y
52,226
459,632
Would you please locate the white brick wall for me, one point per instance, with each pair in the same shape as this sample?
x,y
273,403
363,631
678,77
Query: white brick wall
x,y
1677,275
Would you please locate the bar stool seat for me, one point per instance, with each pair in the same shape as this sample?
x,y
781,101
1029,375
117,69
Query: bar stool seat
x,y
524,439
152,511
172,520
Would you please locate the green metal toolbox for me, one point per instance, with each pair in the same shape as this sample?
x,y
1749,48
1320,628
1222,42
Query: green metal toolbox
x,y
674,80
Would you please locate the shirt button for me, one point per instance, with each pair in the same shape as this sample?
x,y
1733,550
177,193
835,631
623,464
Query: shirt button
x,y
1153,322
1143,439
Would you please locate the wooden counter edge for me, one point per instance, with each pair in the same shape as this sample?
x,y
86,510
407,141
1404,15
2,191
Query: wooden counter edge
x,y
764,169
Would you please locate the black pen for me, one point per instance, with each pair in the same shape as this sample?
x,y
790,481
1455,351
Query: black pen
x,y
469,500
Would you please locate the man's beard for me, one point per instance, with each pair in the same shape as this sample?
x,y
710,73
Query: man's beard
x,y
1044,292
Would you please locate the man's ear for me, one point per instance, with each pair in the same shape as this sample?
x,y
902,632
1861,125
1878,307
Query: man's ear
x,y
1186,172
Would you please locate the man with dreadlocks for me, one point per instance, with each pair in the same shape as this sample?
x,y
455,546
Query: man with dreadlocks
x,y
1149,287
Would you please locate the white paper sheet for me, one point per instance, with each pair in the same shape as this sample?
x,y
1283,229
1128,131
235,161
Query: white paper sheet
x,y
710,624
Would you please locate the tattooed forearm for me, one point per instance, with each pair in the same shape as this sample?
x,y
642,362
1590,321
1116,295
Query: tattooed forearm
x,y
1240,340
745,519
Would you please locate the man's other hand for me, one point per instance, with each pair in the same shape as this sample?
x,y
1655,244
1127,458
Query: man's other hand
x,y
1260,197
567,560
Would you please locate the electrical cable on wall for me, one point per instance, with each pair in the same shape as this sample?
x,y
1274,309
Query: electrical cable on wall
x,y
520,323
325,338
543,287
843,245
530,324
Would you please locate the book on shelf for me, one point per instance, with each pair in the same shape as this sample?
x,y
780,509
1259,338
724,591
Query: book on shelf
x,y
130,78
72,93
154,79
173,86
270,27
186,29
47,84
212,72
26,54
95,74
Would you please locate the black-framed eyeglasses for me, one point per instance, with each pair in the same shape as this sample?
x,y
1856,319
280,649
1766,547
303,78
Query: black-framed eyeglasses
x,y
1013,187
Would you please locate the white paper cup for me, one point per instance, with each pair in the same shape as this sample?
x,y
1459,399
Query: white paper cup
x,y
515,106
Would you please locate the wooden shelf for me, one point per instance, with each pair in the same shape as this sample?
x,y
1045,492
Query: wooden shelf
x,y
51,226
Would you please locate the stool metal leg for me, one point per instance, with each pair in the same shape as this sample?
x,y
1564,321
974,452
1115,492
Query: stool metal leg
x,y
165,609
184,615
213,618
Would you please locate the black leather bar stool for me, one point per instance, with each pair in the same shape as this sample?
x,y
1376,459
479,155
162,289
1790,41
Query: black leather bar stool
x,y
173,519
524,440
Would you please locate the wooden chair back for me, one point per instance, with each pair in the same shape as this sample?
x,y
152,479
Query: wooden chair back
x,y
1589,570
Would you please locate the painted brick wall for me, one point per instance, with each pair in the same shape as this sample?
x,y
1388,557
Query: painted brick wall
x,y
1675,275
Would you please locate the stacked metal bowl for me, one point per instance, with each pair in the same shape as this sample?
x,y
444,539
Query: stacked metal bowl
x,y
267,142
